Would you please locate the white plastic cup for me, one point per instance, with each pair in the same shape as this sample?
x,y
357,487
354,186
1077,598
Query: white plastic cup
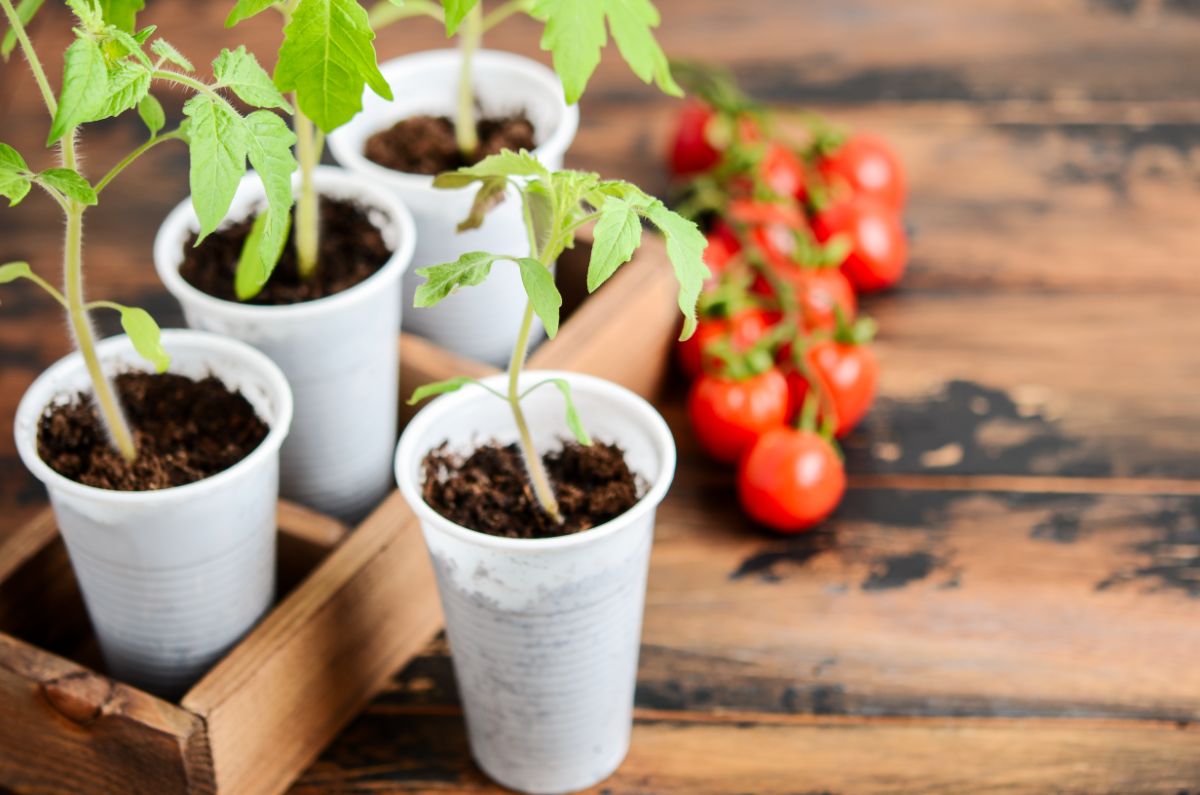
x,y
171,578
481,322
544,633
339,352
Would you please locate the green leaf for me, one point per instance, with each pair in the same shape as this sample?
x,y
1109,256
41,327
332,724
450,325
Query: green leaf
x,y
151,111
618,234
489,195
573,421
122,13
244,9
11,271
238,70
270,142
455,12
85,87
630,22
574,34
88,12
128,84
14,175
326,58
143,35
440,388
441,280
543,294
685,249
145,335
68,182
540,207
506,163
260,254
25,12
165,50
217,143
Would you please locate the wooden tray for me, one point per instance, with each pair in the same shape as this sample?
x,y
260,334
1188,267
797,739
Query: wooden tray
x,y
355,606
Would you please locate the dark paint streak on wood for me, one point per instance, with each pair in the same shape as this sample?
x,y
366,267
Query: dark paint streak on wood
x,y
957,415
897,571
1171,554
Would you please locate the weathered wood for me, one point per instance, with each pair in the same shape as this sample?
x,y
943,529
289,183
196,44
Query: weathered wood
x,y
289,686
922,603
424,750
67,729
1009,383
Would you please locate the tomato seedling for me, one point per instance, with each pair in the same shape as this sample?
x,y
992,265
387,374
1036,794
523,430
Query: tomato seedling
x,y
110,68
554,206
574,33
326,59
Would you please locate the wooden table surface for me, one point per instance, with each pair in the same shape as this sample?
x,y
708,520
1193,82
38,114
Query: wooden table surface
x,y
1008,601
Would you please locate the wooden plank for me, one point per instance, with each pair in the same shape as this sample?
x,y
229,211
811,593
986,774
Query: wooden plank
x,y
920,603
1029,384
368,608
425,750
116,738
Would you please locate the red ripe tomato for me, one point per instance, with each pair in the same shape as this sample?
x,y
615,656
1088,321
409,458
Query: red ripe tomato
x,y
850,376
760,213
878,246
820,291
744,328
782,171
790,480
717,255
691,152
869,166
728,416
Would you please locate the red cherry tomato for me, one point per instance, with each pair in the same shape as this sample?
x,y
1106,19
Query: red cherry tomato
x,y
869,166
728,416
790,480
878,246
782,171
820,291
850,376
717,255
744,328
691,152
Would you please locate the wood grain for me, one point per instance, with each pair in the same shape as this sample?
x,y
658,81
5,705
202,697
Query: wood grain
x,y
798,754
1020,539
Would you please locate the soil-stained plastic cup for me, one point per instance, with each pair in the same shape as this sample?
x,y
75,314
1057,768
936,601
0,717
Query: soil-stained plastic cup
x,y
339,352
171,578
481,322
544,633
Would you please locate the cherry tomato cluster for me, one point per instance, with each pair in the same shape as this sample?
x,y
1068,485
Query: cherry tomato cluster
x,y
781,364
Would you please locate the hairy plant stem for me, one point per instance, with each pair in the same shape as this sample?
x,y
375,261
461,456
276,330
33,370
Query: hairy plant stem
x,y
77,316
470,38
537,472
309,142
384,12
81,328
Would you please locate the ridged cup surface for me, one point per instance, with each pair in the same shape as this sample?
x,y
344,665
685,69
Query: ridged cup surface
x,y
339,353
544,633
480,322
171,578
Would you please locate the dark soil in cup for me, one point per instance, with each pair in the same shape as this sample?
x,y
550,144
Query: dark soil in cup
x,y
351,250
489,489
426,145
184,430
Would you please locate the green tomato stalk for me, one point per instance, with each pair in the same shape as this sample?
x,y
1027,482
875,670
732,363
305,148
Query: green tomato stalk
x,y
555,205
77,317
574,32
310,142
107,71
